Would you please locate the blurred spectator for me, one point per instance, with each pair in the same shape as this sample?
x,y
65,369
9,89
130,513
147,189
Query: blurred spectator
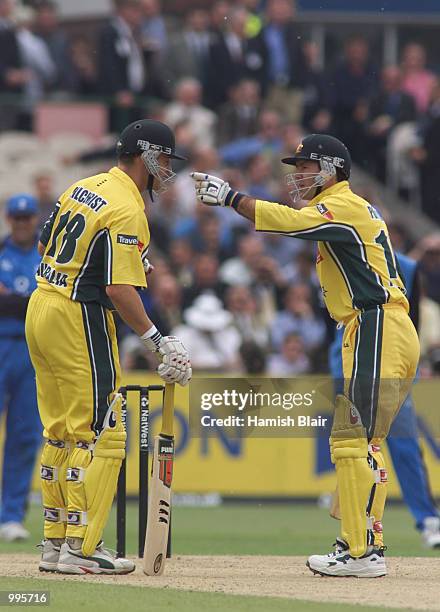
x,y
287,64
186,106
153,29
316,116
83,73
292,360
182,261
47,27
298,317
239,115
13,74
427,155
167,304
267,141
206,280
219,16
44,194
258,172
283,249
389,107
253,358
242,304
121,69
233,57
202,159
209,336
417,80
351,84
188,51
254,22
427,253
239,270
38,61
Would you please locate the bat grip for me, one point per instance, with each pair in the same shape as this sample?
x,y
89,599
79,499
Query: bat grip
x,y
168,407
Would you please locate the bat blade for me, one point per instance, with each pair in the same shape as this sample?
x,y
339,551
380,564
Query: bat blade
x,y
159,504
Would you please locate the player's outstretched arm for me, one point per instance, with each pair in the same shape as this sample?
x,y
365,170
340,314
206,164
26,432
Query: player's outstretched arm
x,y
214,191
176,365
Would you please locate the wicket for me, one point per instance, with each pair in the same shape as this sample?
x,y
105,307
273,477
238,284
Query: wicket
x,y
121,497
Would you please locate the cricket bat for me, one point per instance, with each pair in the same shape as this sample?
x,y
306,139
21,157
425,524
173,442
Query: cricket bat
x,y
159,503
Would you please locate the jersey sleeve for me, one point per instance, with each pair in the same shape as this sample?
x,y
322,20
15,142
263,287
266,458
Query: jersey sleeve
x,y
123,252
323,221
48,226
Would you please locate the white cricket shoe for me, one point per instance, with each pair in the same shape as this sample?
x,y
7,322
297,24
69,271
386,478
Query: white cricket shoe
x,y
431,532
341,563
13,531
103,561
49,555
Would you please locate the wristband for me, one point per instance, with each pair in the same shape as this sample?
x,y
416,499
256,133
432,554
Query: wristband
x,y
152,338
233,199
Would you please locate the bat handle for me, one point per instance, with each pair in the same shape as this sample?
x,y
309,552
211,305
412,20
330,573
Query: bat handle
x,y
168,410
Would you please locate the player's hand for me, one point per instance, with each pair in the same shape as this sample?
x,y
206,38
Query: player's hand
x,y
148,267
210,190
175,366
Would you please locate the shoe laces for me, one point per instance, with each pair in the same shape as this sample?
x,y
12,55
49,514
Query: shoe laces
x,y
110,551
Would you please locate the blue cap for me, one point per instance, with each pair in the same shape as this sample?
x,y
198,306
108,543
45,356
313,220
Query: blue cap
x,y
21,204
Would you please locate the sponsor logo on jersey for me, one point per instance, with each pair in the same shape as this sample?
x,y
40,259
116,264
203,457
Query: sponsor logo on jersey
x,y
140,246
59,279
324,211
127,240
90,199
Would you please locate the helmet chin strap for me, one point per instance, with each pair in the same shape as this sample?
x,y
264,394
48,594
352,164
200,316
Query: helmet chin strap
x,y
150,186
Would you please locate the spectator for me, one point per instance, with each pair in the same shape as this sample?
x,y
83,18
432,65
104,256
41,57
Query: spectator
x,y
204,159
188,51
258,172
13,74
219,16
287,63
427,253
351,84
292,360
186,106
153,29
316,116
267,141
47,27
182,261
242,304
121,69
427,155
83,72
298,317
209,336
167,303
206,280
44,194
240,270
38,61
389,107
233,57
238,117
19,260
417,80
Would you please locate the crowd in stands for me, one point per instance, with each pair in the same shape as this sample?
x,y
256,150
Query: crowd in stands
x,y
240,84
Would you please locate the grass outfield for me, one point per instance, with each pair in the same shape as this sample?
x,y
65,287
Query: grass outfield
x,y
70,597
247,529
250,529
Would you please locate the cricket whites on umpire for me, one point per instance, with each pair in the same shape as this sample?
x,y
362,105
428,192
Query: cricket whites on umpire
x,y
94,258
364,291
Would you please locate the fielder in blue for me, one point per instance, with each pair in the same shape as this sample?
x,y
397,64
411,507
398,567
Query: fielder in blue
x,y
403,441
19,260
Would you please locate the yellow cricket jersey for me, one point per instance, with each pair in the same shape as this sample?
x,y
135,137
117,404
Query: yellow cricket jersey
x,y
355,263
97,235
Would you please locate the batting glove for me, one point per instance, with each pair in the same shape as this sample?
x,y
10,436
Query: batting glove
x,y
213,190
175,366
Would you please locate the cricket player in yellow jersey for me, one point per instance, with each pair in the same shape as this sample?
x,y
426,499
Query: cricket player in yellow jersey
x,y
94,258
364,292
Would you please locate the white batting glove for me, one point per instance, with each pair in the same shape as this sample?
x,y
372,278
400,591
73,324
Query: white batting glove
x,y
175,366
211,190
